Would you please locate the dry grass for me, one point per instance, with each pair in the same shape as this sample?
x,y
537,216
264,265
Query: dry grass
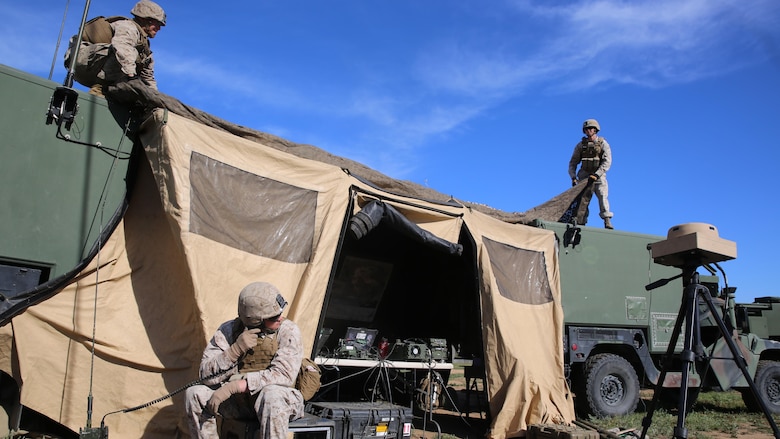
x,y
716,415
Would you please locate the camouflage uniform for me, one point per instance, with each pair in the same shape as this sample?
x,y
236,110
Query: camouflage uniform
x,y
128,53
597,163
271,398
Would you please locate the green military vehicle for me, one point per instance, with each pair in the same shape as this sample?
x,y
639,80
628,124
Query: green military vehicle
x,y
617,332
54,180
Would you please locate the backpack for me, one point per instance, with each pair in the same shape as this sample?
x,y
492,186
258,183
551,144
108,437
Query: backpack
x,y
98,29
308,381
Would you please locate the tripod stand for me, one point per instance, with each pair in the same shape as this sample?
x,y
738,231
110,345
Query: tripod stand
x,y
693,350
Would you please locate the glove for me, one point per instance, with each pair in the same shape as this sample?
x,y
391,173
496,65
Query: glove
x,y
593,177
223,393
246,341
573,182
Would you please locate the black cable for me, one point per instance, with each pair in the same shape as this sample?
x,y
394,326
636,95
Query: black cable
x,y
163,398
107,182
116,153
362,371
437,377
98,213
725,279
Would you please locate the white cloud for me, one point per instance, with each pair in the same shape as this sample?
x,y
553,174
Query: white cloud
x,y
587,43
380,108
583,45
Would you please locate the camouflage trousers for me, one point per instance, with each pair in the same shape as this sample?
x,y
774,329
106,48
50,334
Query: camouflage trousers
x,y
601,188
95,64
274,407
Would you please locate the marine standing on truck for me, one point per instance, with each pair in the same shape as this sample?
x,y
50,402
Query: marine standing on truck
x,y
260,354
596,158
121,53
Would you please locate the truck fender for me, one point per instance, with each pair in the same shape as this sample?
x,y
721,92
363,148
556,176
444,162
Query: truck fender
x,y
582,341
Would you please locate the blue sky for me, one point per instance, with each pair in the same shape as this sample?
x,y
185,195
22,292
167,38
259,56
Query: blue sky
x,y
484,100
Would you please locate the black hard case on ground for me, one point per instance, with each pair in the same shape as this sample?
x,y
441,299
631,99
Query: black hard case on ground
x,y
308,427
365,420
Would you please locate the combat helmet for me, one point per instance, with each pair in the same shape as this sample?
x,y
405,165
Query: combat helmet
x,y
149,9
259,301
591,123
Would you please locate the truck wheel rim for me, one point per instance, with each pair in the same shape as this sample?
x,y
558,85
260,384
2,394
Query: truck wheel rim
x,y
612,390
773,391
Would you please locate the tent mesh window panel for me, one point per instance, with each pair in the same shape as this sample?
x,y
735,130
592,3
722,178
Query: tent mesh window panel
x,y
521,274
238,209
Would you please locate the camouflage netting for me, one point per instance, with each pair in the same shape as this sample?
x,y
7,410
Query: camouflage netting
x,y
565,207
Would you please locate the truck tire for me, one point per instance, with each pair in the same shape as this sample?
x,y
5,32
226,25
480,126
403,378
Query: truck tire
x,y
611,386
767,382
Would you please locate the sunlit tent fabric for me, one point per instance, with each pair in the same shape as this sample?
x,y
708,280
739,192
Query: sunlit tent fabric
x,y
211,212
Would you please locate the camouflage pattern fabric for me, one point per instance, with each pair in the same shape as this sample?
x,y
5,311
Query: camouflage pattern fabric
x,y
577,211
272,400
107,63
598,167
132,52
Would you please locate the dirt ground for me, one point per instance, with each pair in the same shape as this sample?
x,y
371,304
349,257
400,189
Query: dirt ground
x,y
719,435
450,424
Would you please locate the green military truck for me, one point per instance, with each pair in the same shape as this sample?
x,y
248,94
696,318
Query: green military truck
x,y
617,332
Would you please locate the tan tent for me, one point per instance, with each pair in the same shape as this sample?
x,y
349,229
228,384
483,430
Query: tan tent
x,y
211,212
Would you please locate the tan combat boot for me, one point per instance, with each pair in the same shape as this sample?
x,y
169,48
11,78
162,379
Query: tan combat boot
x,y
608,223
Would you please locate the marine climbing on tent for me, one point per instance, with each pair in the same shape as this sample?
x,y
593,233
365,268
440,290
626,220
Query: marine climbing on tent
x,y
594,156
117,49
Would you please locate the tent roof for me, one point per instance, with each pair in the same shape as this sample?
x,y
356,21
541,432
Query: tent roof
x,y
553,210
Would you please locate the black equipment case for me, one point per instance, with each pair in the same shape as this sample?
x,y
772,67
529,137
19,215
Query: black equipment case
x,y
365,420
308,427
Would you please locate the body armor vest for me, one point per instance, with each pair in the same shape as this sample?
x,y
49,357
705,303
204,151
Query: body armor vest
x,y
259,358
591,154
